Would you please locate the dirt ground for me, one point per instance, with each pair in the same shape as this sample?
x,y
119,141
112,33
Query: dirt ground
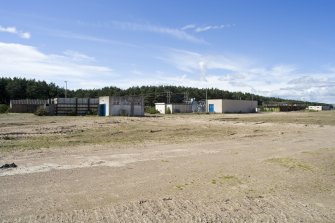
x,y
266,167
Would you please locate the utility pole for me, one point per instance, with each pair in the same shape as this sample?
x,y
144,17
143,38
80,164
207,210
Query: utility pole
x,y
185,96
65,88
168,97
206,101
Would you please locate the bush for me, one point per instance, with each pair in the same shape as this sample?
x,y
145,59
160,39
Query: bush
x,y
40,111
92,111
123,112
151,110
168,111
3,108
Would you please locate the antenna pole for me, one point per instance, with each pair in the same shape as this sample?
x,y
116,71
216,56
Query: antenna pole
x,y
65,88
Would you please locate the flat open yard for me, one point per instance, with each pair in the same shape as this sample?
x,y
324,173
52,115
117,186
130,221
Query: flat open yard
x,y
270,167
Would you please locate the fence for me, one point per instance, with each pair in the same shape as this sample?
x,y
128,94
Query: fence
x,y
74,106
26,105
56,106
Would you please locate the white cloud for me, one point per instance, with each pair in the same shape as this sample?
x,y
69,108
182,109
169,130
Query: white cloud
x,y
176,33
13,30
8,29
25,35
237,73
17,60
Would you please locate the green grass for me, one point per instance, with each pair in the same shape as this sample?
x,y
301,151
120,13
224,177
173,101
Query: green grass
x,y
226,179
291,163
181,186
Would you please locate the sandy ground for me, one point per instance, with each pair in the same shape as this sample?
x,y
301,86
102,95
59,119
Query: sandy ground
x,y
273,167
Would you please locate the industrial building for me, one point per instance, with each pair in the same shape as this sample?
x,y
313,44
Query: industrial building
x,y
173,108
231,106
319,108
121,105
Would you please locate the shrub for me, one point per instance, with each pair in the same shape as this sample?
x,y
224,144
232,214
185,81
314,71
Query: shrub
x,y
92,111
73,112
3,108
168,111
40,111
151,110
123,112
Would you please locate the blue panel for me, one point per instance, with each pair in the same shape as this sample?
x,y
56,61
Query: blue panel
x,y
102,110
211,108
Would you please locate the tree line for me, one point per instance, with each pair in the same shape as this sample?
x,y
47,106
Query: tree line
x,y
21,88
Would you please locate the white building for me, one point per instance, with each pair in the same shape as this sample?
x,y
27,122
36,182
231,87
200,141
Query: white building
x,y
174,108
231,106
121,105
318,108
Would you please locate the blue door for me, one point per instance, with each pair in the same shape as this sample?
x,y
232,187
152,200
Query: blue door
x,y
211,108
102,110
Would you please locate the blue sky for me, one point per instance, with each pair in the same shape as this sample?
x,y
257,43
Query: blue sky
x,y
272,48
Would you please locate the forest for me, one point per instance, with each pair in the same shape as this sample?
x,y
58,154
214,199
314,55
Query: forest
x,y
21,88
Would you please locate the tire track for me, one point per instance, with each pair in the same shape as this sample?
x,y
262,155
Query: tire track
x,y
248,209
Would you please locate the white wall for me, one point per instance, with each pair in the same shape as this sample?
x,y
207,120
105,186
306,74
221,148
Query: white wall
x,y
126,105
160,107
217,105
174,108
315,108
115,105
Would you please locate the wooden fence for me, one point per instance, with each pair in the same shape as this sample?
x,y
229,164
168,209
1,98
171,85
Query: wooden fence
x,y
26,105
56,106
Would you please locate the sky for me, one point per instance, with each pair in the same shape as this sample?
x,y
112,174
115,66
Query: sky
x,y
280,48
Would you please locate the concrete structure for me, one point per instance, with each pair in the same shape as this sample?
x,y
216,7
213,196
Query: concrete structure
x,y
121,105
318,108
231,106
174,108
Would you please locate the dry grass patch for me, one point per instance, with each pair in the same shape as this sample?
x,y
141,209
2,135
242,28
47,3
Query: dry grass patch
x,y
291,163
226,179
301,117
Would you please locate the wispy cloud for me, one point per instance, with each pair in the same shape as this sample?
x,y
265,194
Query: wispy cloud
x,y
29,62
177,33
189,26
13,30
205,28
173,32
77,36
